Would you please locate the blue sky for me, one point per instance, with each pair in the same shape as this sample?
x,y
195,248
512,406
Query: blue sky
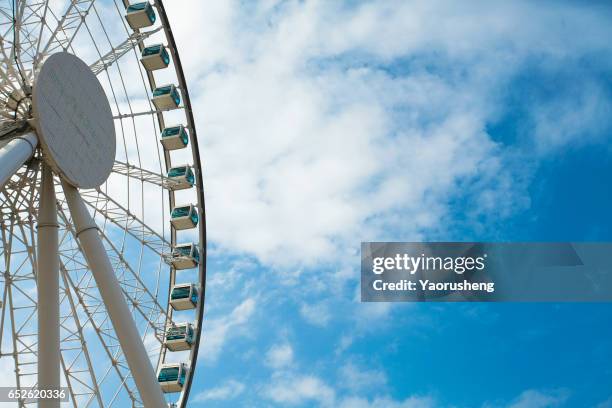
x,y
324,124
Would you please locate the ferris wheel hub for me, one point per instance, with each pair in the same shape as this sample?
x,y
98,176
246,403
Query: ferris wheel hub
x,y
74,121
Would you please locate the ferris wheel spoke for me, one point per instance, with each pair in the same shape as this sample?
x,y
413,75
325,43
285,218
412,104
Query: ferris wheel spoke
x,y
7,84
134,289
67,28
142,113
148,176
43,24
10,74
5,283
30,15
135,39
19,280
12,77
7,245
24,281
100,334
120,216
78,353
133,42
97,319
73,396
140,297
116,306
18,197
16,354
77,386
17,19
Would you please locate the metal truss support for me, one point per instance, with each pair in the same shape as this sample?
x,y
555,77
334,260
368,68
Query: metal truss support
x,y
47,278
14,154
112,295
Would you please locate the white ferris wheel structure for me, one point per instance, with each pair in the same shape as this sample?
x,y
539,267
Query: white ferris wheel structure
x,y
103,233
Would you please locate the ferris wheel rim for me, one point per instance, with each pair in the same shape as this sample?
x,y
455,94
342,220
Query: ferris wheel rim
x,y
200,189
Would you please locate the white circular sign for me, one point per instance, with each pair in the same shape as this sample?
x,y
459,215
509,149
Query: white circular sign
x,y
74,121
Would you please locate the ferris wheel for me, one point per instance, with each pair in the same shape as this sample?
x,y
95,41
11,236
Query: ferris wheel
x,y
103,239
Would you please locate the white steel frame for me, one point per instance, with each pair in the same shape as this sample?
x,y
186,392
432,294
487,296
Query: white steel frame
x,y
76,285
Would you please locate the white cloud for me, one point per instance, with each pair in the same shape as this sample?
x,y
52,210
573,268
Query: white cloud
x,y
311,143
217,331
313,140
311,390
361,379
385,402
535,399
369,314
279,356
346,341
296,390
289,387
577,118
316,314
539,399
299,390
605,404
228,390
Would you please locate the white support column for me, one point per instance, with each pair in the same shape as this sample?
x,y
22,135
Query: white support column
x,y
110,290
14,153
47,278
